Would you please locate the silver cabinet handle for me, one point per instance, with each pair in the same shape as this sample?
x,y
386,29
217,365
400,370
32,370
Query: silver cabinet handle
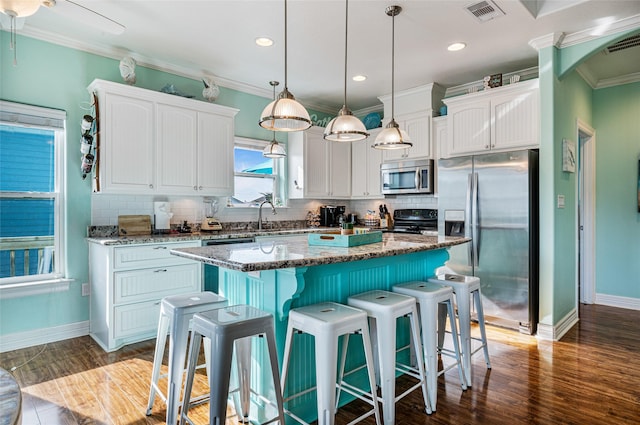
x,y
150,186
200,188
160,247
160,271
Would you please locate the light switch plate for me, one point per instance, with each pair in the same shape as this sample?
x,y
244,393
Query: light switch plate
x,y
560,201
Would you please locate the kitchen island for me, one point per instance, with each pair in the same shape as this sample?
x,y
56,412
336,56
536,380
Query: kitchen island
x,y
279,274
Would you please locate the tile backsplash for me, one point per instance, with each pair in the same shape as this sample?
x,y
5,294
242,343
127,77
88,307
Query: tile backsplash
x,y
105,208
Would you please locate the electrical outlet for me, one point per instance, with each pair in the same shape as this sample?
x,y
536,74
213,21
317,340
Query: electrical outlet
x,y
85,290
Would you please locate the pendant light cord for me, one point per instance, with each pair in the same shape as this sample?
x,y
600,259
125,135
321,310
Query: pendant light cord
x,y
346,37
393,66
285,45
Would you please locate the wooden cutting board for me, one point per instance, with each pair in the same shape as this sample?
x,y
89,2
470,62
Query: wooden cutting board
x,y
134,225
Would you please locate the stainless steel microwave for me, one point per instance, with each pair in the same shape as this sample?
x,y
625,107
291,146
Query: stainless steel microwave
x,y
407,177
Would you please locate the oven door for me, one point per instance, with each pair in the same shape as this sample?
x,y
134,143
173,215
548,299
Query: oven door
x,y
400,180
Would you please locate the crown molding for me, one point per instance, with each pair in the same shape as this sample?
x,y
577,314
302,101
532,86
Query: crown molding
x,y
364,111
609,28
617,81
553,39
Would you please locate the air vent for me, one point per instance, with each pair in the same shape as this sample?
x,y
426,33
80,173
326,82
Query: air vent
x,y
628,42
485,10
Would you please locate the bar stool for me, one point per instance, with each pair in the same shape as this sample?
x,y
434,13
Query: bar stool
x,y
384,308
326,322
467,290
224,328
176,312
429,296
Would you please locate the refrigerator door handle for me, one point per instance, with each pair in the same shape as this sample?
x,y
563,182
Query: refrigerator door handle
x,y
475,226
468,219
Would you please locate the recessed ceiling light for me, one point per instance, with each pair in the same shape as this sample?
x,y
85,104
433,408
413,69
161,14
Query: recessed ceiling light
x,y
264,41
359,77
456,46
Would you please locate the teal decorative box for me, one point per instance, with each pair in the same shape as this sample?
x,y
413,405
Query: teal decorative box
x,y
336,239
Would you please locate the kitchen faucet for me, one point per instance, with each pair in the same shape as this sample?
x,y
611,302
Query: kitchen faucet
x,y
273,211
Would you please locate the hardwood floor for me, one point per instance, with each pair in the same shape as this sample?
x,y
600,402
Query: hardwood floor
x,y
591,376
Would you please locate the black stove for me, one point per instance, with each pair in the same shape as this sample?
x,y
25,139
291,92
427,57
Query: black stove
x,y
415,220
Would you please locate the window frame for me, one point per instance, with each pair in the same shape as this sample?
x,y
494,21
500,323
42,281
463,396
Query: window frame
x,y
277,175
29,116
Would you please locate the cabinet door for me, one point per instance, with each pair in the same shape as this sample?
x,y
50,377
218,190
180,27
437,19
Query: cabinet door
x,y
316,164
440,137
515,120
417,127
215,154
359,168
177,149
340,169
127,150
469,127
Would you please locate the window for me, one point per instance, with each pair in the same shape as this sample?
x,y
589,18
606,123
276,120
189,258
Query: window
x,y
256,178
32,143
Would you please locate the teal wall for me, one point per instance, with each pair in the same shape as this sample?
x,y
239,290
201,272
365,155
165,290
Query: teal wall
x,y
613,113
53,76
617,124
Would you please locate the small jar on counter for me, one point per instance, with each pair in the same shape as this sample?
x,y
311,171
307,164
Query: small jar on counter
x,y
347,229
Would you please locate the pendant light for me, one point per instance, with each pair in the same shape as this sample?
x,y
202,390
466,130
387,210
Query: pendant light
x,y
345,127
20,9
392,137
274,150
285,113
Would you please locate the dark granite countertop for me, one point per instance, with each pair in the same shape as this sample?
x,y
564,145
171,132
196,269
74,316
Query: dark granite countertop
x,y
295,251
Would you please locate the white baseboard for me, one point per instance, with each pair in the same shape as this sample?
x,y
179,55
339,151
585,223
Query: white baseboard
x,y
615,301
26,339
555,333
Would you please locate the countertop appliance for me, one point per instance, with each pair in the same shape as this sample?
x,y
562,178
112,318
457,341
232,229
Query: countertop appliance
x,y
493,199
415,220
162,217
330,216
407,177
210,223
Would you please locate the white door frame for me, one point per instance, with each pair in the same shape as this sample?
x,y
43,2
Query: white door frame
x,y
586,214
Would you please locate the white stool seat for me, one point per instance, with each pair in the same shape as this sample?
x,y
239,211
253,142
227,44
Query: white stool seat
x,y
467,290
224,328
384,308
429,296
176,312
326,322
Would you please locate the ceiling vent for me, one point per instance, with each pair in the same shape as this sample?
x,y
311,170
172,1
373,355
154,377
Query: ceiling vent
x,y
627,43
485,10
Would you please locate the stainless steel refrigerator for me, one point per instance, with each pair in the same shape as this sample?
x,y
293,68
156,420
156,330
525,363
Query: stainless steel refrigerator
x,y
493,199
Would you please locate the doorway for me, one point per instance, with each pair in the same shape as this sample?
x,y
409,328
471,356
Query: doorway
x,y
585,289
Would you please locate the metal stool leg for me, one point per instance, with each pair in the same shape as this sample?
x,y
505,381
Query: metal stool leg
x,y
483,332
161,339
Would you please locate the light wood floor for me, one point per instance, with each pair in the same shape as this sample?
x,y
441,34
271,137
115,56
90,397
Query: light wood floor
x,y
592,376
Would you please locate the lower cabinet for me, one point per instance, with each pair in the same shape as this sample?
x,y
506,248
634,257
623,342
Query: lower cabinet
x,y
127,284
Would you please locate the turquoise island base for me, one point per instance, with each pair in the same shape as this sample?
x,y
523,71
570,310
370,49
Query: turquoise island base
x,y
284,273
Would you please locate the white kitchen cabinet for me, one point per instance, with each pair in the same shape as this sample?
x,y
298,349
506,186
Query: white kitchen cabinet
x,y
502,118
365,168
126,144
418,127
440,136
318,168
191,159
153,142
127,284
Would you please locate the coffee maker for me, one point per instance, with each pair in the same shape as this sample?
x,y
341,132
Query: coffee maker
x,y
330,216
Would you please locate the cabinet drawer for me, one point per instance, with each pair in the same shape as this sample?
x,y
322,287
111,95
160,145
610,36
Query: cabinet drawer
x,y
150,255
136,319
155,283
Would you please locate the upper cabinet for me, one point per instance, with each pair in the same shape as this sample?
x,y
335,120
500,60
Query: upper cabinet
x,y
413,111
497,119
365,168
318,168
152,142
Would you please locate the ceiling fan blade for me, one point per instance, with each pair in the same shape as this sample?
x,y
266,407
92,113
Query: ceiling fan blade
x,y
87,16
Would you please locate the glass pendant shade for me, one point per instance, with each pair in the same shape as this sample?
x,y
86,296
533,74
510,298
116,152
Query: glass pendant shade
x,y
345,128
274,150
392,137
285,114
20,8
